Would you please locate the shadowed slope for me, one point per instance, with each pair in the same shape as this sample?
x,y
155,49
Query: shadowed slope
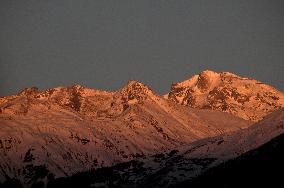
x,y
262,167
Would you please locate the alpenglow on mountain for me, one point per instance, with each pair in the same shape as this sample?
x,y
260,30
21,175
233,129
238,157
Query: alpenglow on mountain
x,y
56,133
243,97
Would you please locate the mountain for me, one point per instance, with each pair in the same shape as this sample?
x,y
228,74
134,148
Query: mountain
x,y
243,97
65,130
238,159
46,136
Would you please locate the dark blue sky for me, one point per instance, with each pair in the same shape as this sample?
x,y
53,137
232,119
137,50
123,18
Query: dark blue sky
x,y
102,44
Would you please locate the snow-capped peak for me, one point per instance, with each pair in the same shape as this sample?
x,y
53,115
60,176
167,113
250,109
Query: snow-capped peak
x,y
135,90
225,91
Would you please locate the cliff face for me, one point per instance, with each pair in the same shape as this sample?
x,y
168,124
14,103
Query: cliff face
x,y
243,97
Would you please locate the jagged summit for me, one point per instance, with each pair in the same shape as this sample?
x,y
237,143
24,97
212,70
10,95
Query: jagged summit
x,y
225,91
77,87
133,84
135,90
208,73
86,101
205,79
29,91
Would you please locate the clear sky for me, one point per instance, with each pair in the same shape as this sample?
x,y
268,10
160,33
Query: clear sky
x,y
103,44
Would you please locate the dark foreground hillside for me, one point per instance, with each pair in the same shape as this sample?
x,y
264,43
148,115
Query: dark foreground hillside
x,y
262,167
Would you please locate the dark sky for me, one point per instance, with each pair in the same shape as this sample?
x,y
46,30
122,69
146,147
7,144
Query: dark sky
x,y
102,44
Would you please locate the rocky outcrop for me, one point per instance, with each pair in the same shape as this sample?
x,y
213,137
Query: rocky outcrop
x,y
244,97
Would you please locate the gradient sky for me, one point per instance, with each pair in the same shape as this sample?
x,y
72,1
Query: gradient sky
x,y
103,44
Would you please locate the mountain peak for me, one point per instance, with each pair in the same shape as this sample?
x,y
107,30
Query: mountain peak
x,y
208,73
135,86
206,79
136,91
228,74
135,83
76,86
225,91
29,91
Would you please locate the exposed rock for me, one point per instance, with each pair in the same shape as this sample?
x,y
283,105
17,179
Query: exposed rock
x,y
243,97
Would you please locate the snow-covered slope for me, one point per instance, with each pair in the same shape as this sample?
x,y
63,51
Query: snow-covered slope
x,y
183,164
244,97
61,131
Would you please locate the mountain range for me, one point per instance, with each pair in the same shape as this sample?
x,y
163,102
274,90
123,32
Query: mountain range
x,y
58,136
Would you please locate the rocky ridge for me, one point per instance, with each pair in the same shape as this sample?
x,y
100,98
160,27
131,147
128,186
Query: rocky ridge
x,y
243,97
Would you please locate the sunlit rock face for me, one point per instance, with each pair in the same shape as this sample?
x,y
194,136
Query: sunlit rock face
x,y
244,97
